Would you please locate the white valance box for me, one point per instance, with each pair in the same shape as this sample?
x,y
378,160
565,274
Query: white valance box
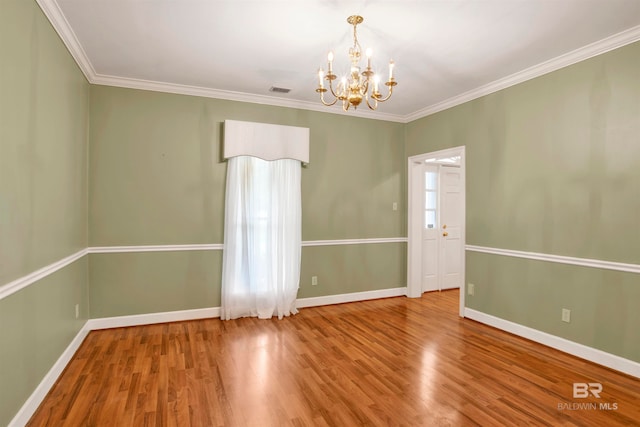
x,y
266,141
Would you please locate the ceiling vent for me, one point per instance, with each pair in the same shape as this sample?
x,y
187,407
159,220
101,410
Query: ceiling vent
x,y
277,89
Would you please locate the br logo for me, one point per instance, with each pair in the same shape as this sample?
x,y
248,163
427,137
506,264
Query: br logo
x,y
583,390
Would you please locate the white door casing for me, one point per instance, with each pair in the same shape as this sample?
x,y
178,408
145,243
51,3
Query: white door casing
x,y
450,255
415,208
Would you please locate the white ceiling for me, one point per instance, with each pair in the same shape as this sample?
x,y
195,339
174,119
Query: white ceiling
x,y
446,51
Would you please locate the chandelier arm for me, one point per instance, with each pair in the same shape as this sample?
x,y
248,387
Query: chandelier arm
x,y
389,94
366,95
328,104
375,103
331,89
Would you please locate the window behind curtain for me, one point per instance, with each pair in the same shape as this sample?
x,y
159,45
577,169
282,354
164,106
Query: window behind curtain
x,y
261,260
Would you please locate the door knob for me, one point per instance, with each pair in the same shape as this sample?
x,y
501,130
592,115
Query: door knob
x,y
445,234
444,226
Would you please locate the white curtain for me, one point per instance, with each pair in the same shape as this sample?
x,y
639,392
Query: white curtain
x,y
262,238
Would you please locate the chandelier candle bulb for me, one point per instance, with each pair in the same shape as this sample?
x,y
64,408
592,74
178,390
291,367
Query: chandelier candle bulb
x,y
369,53
320,73
330,58
391,65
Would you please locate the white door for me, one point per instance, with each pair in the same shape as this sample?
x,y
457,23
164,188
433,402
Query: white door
x,y
430,230
441,228
451,209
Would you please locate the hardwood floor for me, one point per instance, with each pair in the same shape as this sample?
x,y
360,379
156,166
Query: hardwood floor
x,y
387,362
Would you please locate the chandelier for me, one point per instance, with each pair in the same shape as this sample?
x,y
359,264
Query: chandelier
x,y
358,85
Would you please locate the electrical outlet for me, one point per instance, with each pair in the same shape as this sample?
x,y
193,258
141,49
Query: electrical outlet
x,y
395,206
77,311
471,289
566,315
314,280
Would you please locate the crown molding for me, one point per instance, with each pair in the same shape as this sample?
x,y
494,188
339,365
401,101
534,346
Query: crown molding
x,y
615,41
53,12
181,89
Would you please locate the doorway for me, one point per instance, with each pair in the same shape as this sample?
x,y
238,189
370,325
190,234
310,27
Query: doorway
x,y
436,222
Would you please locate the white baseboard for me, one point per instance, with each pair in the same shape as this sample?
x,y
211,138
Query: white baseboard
x,y
151,318
580,350
351,297
205,313
31,404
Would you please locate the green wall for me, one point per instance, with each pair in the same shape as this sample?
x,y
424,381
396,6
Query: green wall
x,y
43,198
157,178
153,282
352,268
553,167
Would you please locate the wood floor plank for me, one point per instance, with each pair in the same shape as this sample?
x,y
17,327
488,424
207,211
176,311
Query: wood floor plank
x,y
389,362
